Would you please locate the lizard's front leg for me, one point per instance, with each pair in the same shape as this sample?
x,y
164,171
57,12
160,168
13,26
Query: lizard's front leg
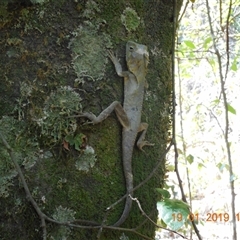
x,y
141,142
121,114
117,65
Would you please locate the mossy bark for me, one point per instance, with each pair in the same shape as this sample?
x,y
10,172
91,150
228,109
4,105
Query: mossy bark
x,y
61,43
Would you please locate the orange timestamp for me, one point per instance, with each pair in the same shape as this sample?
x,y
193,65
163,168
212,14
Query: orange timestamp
x,y
210,217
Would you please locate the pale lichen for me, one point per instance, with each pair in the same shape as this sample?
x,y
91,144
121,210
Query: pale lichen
x,y
91,8
86,160
89,56
62,214
130,19
56,121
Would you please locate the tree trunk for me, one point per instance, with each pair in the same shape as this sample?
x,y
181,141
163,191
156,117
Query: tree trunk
x,y
55,65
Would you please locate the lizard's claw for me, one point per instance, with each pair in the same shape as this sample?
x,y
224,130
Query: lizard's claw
x,y
112,56
87,123
110,53
144,143
89,116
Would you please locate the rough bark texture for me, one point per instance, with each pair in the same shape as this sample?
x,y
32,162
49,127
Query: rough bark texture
x,y
46,45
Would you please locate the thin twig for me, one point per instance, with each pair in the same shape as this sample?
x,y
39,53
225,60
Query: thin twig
x,y
220,13
144,214
227,37
184,10
215,117
145,180
72,225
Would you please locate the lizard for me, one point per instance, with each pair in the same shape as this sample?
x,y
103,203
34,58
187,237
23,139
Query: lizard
x,y
129,115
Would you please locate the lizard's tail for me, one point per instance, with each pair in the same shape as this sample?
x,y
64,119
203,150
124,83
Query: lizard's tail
x,y
127,208
127,145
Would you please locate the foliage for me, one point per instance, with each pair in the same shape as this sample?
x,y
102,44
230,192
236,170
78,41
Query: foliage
x,y
173,212
200,95
206,120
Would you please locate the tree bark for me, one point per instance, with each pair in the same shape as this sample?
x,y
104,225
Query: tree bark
x,y
46,45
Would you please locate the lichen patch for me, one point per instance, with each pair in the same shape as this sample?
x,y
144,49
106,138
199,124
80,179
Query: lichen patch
x,y
89,53
130,19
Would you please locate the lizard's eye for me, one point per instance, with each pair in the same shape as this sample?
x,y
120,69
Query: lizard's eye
x,y
131,48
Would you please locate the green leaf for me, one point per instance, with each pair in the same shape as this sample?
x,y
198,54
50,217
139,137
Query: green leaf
x,y
221,166
216,101
190,44
180,151
212,62
200,165
231,109
170,168
163,192
69,139
206,42
190,158
182,52
76,141
173,212
234,65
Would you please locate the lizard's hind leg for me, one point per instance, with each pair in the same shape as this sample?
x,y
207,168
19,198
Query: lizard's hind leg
x,y
141,142
121,114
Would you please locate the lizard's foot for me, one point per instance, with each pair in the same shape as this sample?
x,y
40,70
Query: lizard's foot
x,y
89,116
88,123
111,55
144,143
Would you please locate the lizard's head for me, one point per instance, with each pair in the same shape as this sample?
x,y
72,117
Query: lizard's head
x,y
137,57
